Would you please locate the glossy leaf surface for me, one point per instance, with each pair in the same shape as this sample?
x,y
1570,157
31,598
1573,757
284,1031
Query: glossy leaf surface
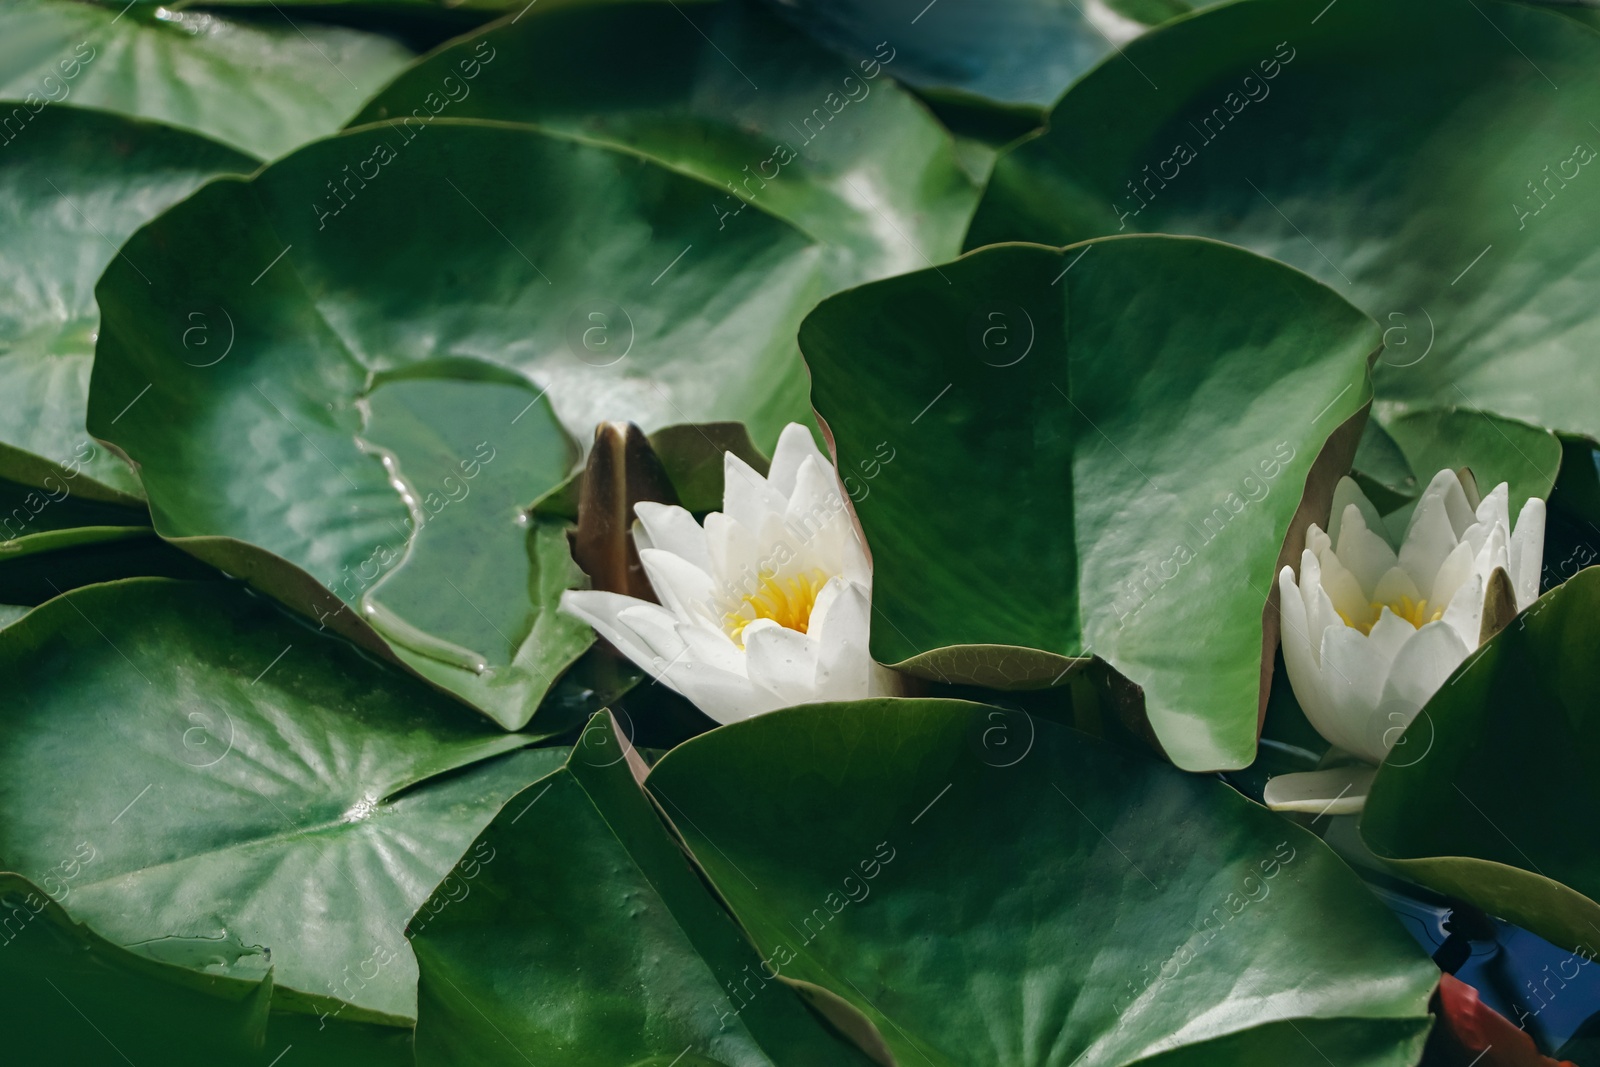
x,y
564,280
1059,395
261,85
74,184
1496,450
991,889
74,997
1023,53
1432,161
729,93
255,796
645,968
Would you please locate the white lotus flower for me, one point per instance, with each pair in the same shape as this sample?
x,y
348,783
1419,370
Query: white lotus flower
x,y
766,606
1369,634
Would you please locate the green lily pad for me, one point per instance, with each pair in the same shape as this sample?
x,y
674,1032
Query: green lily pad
x,y
580,934
262,86
562,279
1501,808
1063,398
468,13
255,797
695,459
988,888
1496,449
1382,471
75,997
724,92
1020,53
1572,530
1448,190
73,185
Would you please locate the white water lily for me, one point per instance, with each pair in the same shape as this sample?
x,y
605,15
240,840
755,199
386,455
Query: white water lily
x,y
1369,633
766,606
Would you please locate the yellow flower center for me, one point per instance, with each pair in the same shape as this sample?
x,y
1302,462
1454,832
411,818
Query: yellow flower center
x,y
1413,611
786,601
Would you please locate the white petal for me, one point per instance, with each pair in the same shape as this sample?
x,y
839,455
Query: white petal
x,y
1420,668
1301,647
1496,552
1527,552
657,630
746,496
672,529
1367,555
857,564
1445,489
795,446
713,648
1479,533
1389,633
1495,509
1333,791
735,558
1465,613
722,696
841,624
702,671
1316,540
1353,673
602,610
1346,493
1430,538
1394,585
1341,586
1321,612
686,590
816,511
649,636
784,551
781,661
1456,569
